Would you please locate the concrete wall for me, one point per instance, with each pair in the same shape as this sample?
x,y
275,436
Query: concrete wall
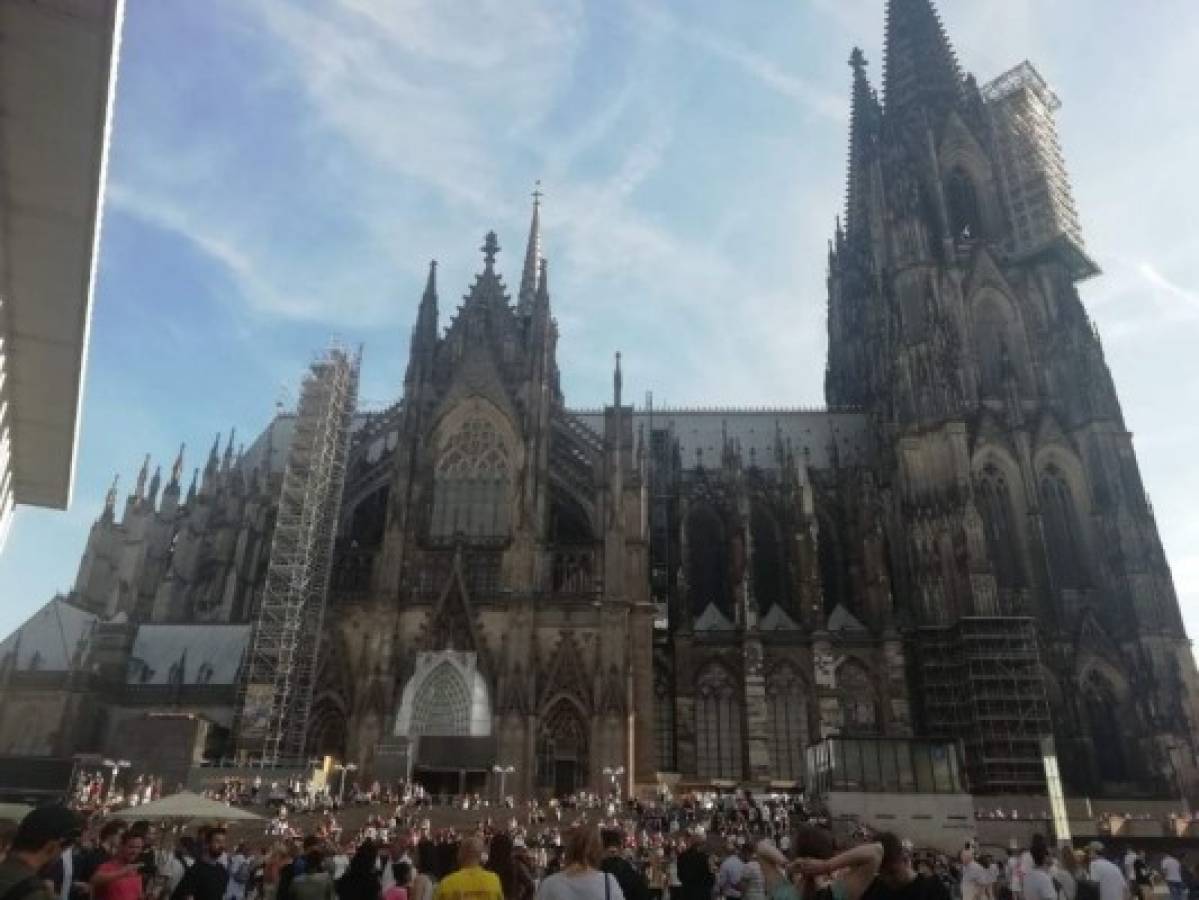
x,y
941,821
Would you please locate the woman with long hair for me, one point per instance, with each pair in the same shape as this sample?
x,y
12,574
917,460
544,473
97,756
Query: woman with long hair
x,y
580,877
514,876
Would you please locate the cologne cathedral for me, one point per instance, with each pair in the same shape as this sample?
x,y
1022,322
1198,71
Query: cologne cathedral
x,y
959,546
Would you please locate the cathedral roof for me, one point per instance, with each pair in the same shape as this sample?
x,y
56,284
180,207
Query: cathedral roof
x,y
52,635
194,654
701,433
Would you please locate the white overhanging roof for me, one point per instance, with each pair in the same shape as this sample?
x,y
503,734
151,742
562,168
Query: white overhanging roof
x,y
57,80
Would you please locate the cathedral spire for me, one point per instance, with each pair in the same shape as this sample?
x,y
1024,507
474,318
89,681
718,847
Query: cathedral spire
x,y
920,69
142,475
227,463
155,484
532,269
177,470
491,246
191,491
617,382
424,330
865,119
110,500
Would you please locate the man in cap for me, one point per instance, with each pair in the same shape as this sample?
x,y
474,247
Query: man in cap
x,y
40,839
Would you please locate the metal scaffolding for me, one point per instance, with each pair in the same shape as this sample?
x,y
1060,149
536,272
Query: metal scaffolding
x,y
981,683
1039,197
281,668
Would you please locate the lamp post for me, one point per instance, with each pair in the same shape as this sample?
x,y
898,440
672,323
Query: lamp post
x,y
613,773
341,791
115,765
503,772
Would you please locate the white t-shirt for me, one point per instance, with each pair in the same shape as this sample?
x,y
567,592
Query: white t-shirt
x,y
1171,868
754,881
974,880
1111,882
1014,875
1038,885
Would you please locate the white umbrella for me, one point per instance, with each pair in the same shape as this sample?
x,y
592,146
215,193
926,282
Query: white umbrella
x,y
186,805
14,812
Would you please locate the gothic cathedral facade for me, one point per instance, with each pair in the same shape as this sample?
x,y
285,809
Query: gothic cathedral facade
x,y
959,546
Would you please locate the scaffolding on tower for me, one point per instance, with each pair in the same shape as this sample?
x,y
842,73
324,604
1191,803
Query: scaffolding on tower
x,y
981,682
1033,172
280,671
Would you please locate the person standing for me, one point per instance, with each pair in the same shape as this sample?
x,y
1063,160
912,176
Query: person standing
x,y
1172,872
632,883
976,880
1106,874
728,876
121,878
314,883
1038,884
470,881
879,871
205,878
580,877
773,865
41,838
694,869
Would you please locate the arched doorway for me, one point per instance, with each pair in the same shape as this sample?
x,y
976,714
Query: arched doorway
x,y
562,749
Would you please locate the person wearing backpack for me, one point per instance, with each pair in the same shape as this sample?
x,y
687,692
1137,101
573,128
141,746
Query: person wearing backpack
x,y
41,838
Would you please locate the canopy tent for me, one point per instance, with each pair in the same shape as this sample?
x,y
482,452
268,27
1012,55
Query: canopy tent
x,y
186,805
14,812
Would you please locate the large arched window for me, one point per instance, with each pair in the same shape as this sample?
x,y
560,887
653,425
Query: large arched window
x,y
1063,542
471,491
707,562
717,725
562,749
768,567
859,711
834,575
664,723
1103,718
995,506
788,709
961,199
442,705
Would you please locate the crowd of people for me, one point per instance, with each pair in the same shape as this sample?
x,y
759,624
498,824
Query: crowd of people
x,y
748,850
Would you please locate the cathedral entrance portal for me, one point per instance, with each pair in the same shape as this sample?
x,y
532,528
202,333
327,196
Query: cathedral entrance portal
x,y
562,749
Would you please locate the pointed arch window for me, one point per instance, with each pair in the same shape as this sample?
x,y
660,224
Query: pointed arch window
x,y
442,705
768,564
707,562
562,749
787,703
717,725
995,506
1099,698
664,723
471,489
859,711
1063,542
961,199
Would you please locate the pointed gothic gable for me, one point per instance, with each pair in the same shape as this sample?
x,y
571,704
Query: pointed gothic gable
x,y
990,430
1094,641
1051,433
842,620
959,146
476,376
777,620
712,619
566,673
451,624
613,700
984,273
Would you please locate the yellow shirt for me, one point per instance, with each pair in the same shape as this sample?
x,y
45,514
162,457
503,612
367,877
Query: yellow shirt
x,y
472,883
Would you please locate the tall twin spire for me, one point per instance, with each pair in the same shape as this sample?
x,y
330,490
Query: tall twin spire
x,y
531,273
920,69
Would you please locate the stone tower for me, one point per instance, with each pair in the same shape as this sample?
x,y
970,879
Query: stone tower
x,y
1023,550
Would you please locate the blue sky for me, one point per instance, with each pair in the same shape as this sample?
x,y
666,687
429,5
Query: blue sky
x,y
283,172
